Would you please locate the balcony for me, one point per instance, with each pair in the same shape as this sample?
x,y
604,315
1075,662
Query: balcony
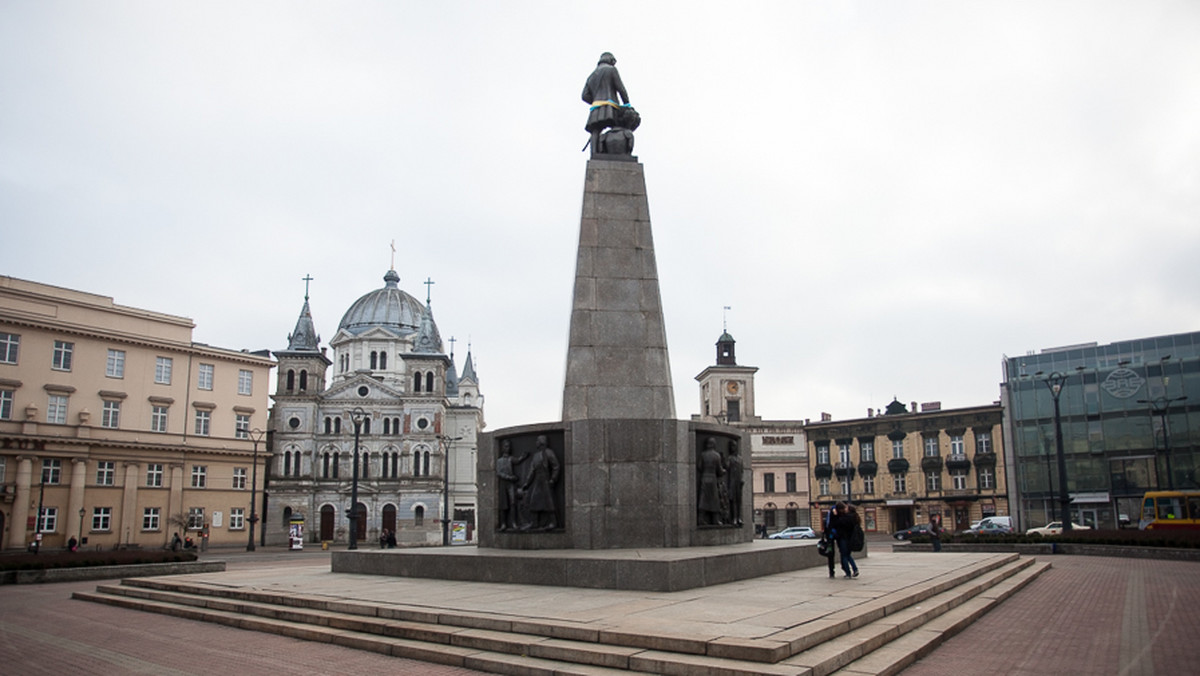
x,y
868,468
898,466
823,470
958,461
985,460
931,463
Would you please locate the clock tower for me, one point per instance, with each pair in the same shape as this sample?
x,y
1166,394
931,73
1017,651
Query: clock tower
x,y
727,390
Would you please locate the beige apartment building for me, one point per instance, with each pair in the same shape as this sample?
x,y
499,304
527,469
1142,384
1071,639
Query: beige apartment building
x,y
117,428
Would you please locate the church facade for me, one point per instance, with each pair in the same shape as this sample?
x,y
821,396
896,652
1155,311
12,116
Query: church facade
x,y
389,383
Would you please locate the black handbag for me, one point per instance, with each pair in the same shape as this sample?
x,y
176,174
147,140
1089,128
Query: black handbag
x,y
824,547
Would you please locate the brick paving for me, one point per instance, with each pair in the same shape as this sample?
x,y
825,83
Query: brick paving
x,y
1086,615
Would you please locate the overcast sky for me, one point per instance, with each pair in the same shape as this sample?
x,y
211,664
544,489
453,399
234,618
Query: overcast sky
x,y
891,196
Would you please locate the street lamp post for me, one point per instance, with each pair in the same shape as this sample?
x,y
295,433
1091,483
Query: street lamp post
x,y
1055,382
79,540
1159,407
357,416
256,436
446,443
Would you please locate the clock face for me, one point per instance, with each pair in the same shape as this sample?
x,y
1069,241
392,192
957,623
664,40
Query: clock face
x,y
732,387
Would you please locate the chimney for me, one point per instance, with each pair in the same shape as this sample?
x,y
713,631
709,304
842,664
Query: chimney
x,y
913,407
870,413
931,406
826,417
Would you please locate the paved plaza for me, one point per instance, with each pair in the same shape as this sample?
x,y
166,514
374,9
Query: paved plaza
x,y
1086,615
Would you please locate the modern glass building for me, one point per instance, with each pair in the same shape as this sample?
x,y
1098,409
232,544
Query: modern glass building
x,y
1130,419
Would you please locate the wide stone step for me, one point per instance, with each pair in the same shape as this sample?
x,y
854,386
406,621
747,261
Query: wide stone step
x,y
878,635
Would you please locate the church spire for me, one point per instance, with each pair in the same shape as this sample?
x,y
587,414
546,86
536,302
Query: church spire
x,y
304,337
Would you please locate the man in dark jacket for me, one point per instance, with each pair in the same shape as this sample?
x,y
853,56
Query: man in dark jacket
x,y
843,525
604,91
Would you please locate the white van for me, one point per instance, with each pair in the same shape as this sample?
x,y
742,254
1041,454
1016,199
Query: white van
x,y
1002,522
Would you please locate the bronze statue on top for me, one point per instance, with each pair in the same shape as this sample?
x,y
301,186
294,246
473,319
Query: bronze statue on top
x,y
610,110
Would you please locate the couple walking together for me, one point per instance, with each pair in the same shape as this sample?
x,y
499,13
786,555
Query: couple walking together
x,y
841,526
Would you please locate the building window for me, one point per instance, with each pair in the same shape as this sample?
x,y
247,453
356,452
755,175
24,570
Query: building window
x,y
10,344
158,418
150,518
242,426
101,518
114,367
237,518
931,447
419,516
866,451
204,379
844,453
162,370
56,409
933,481
287,463
769,482
154,475
846,486
337,425
203,422
6,404
106,473
246,382
111,415
986,479
983,442
395,464
239,478
897,448
823,454
959,480
823,485
325,465
199,476
3,469
51,471
868,485
789,480
957,447
383,361
303,381
899,483
62,355
49,520
195,518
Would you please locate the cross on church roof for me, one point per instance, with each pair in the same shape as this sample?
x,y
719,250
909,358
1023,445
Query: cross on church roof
x,y
307,278
393,266
428,287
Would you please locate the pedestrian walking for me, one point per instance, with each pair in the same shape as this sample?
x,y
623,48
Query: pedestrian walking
x,y
844,524
828,542
935,531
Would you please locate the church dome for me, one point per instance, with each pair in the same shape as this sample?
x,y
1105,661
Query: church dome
x,y
388,308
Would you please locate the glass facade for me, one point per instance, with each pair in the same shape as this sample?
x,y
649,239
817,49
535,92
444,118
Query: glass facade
x,y
1129,412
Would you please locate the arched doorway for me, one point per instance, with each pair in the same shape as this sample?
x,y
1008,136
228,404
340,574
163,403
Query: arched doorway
x,y
327,523
389,517
362,522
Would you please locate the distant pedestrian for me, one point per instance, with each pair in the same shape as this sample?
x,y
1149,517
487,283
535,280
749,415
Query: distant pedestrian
x,y
72,544
383,538
935,531
391,539
828,539
176,543
844,524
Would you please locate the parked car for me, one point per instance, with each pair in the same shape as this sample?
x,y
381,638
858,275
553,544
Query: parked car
x,y
1005,522
912,531
988,528
794,533
1053,528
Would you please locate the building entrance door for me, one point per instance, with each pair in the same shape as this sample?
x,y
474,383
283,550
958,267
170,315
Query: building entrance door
x,y
327,523
1086,517
901,518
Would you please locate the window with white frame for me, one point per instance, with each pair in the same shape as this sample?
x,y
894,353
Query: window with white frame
x,y
151,518
869,485
241,426
162,370
933,481
246,382
10,344
114,366
844,452
63,351
51,470
931,447
959,480
6,404
48,523
866,451
158,418
101,518
203,422
899,483
897,448
195,518
110,415
237,518
823,454
3,469
154,475
983,442
106,473
204,379
986,478
239,478
56,409
199,476
957,447
846,486
823,486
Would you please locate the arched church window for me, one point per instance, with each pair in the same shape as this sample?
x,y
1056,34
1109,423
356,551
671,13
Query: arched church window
x,y
429,381
374,360
395,464
419,516
291,380
325,466
335,464
296,463
337,425
366,464
417,382
366,426
287,463
303,380
383,361
387,425
425,462
328,424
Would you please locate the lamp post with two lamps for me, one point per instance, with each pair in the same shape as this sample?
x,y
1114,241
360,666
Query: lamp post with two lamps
x,y
256,436
1055,382
357,416
1159,407
446,444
